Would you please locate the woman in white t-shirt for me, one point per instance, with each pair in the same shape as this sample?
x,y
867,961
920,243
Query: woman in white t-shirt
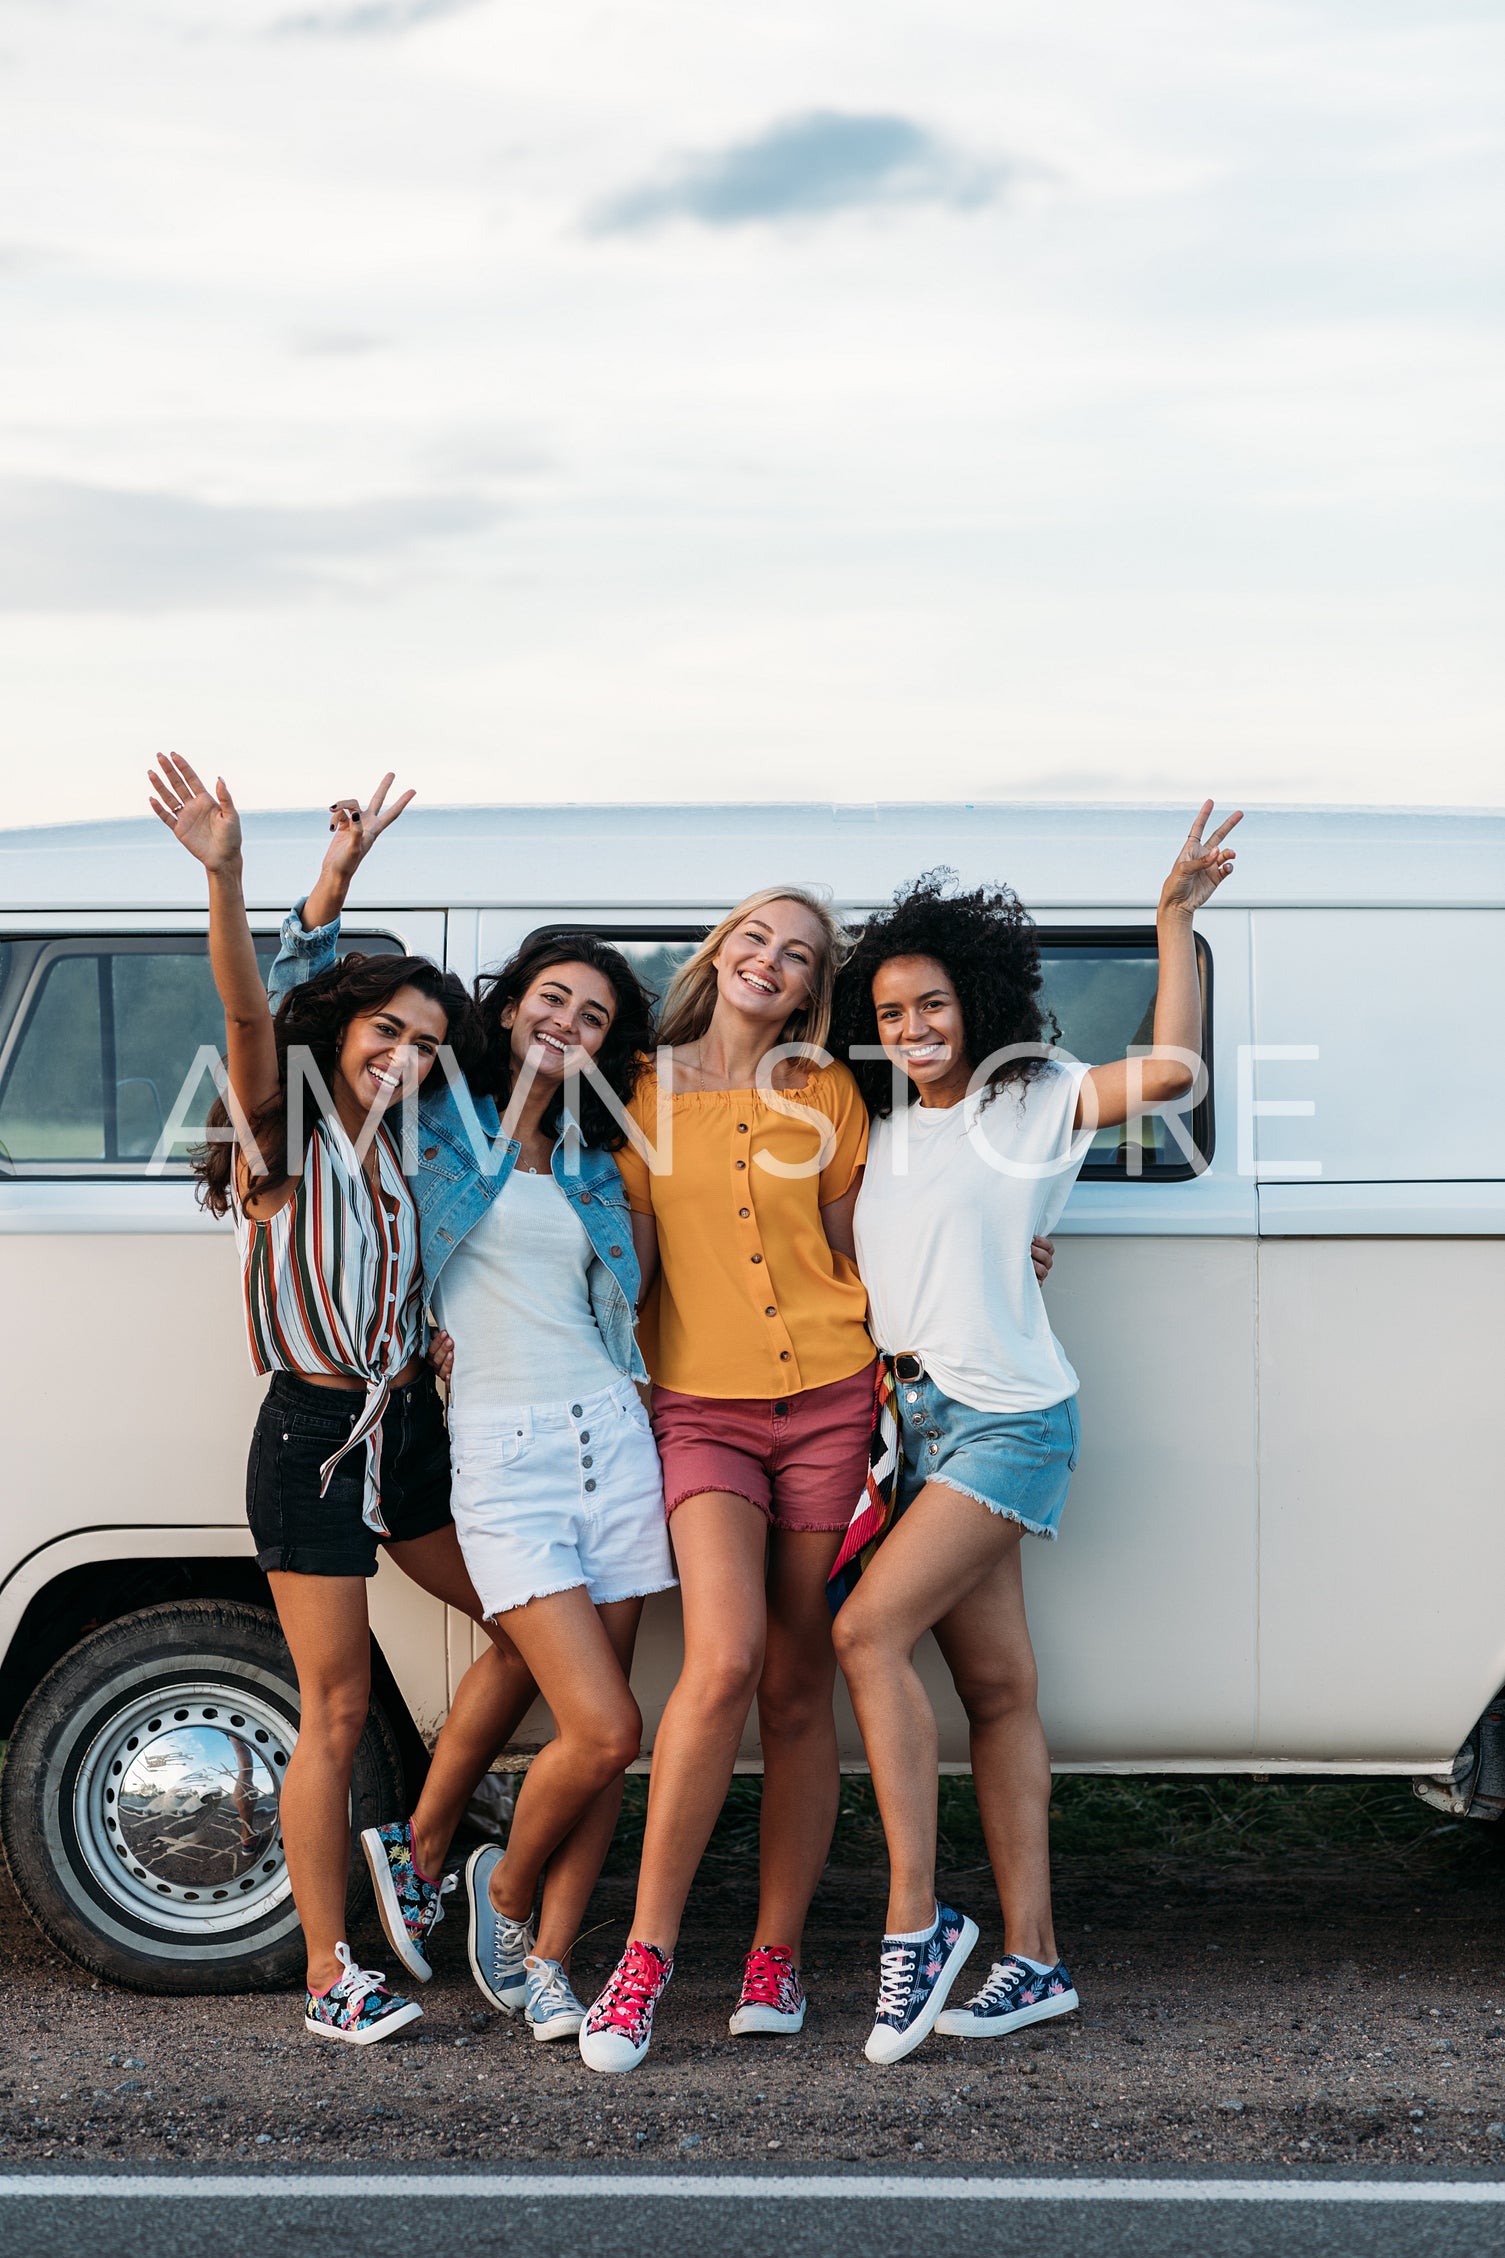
x,y
978,1132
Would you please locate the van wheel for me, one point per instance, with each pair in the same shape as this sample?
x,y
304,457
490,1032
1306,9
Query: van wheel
x,y
139,1801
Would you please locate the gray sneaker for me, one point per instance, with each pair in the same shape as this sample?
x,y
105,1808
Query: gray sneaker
x,y
551,2009
499,1948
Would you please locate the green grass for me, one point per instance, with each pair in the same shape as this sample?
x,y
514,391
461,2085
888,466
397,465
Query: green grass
x,y
1143,1822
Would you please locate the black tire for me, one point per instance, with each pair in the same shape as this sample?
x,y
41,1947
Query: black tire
x,y
153,1857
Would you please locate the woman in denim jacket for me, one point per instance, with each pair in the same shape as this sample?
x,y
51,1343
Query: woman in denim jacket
x,y
530,1271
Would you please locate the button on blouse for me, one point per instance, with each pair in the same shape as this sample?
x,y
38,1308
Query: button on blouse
x,y
750,1300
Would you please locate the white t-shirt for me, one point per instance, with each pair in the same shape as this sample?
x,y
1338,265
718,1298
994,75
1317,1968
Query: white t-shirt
x,y
514,1296
943,1239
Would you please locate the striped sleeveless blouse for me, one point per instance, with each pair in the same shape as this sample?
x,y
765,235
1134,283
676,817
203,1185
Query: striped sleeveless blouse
x,y
333,1284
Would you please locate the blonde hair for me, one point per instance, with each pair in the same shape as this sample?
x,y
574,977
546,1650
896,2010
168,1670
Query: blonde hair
x,y
690,999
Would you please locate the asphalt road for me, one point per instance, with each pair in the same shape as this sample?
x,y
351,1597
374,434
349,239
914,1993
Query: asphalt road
x,y
633,2215
1339,2005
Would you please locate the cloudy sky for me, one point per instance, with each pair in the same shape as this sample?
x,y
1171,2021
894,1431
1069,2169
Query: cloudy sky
x,y
668,398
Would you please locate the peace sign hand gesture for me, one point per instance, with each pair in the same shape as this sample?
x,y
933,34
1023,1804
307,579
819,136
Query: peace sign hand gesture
x,y
356,830
1199,870
205,822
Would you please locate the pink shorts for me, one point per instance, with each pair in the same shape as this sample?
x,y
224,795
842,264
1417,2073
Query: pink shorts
x,y
801,1460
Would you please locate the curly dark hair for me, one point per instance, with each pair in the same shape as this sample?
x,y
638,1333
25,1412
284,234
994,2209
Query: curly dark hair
x,y
987,943
315,1016
620,1058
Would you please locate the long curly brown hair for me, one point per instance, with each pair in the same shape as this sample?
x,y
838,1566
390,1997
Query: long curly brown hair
x,y
987,942
314,1017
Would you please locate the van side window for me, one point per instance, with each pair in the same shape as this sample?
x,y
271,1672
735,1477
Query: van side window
x,y
1099,981
1101,986
52,1105
97,1037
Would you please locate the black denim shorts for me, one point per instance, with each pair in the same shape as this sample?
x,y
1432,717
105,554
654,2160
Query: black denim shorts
x,y
298,1427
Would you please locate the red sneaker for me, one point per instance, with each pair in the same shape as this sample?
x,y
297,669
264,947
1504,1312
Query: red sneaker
x,y
773,1998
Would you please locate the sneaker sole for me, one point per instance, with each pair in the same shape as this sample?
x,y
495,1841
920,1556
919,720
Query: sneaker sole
x,y
766,2022
960,2022
558,2026
409,2012
930,2013
388,1911
498,1999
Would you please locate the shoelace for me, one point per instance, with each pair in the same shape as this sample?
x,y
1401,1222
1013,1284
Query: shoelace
x,y
765,1977
627,2001
896,1967
450,1883
554,1996
1003,1976
509,1935
357,1984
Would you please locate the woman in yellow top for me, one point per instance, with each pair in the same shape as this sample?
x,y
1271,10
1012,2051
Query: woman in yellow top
x,y
754,1331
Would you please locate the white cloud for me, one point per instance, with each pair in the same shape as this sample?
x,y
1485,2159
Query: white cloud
x,y
367,19
77,548
344,441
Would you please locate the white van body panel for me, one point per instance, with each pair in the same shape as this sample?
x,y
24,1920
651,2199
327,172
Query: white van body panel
x,y
126,1541
1381,1534
1284,1548
1409,1079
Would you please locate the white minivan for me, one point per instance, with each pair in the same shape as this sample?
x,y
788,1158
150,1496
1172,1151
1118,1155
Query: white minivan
x,y
1285,1546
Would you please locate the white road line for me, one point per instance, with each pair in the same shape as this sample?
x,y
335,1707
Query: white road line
x,y
516,2187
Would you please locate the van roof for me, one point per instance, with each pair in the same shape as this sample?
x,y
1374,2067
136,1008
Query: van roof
x,y
686,857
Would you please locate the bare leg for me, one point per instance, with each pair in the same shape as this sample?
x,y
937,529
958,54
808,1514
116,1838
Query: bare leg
x,y
720,1542
324,1621
490,1701
575,1868
986,1642
598,1731
797,1726
944,1547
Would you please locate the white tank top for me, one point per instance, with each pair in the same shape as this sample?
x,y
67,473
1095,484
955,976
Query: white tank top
x,y
514,1296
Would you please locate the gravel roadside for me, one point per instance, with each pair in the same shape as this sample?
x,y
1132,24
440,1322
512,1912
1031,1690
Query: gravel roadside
x,y
1337,2001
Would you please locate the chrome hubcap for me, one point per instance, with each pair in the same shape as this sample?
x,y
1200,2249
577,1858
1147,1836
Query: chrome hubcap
x,y
176,1806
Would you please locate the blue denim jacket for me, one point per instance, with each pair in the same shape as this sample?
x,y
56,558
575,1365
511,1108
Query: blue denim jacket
x,y
452,1190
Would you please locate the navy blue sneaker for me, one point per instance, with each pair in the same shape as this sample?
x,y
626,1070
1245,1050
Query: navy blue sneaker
x,y
1014,1994
914,1983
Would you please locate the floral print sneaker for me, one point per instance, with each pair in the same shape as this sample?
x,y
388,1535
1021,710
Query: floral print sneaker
x,y
616,2033
1014,1994
773,1998
409,1904
915,1976
357,2007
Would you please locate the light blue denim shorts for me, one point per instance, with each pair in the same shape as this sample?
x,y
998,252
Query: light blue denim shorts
x,y
1018,1464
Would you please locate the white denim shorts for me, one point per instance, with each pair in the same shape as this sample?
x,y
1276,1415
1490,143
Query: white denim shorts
x,y
548,1496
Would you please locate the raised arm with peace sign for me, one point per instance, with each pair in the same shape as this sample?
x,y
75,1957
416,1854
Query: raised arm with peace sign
x,y
356,830
1128,1088
1199,870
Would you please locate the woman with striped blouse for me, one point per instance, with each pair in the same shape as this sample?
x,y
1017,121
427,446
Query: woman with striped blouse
x,y
350,1449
